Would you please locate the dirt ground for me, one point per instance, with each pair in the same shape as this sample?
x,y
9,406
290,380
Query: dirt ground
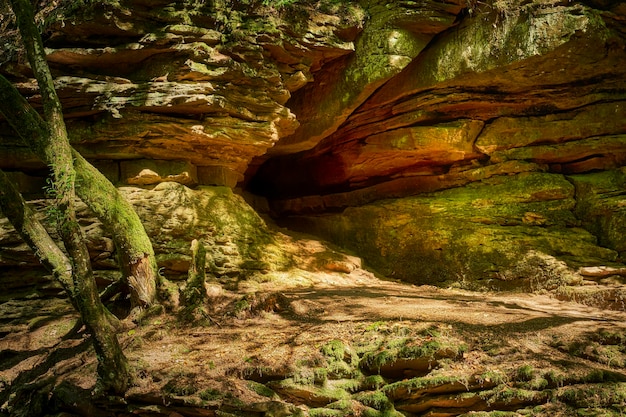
x,y
265,332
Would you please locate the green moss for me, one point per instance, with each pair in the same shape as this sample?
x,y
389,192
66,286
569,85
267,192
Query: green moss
x,y
507,395
432,349
334,350
372,412
599,395
377,325
341,369
320,375
242,306
432,331
496,377
210,394
332,394
350,385
525,373
262,389
555,379
599,200
374,399
374,382
420,383
325,412
603,375
608,337
344,404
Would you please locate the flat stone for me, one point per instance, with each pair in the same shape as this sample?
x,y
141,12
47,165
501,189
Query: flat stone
x,y
150,172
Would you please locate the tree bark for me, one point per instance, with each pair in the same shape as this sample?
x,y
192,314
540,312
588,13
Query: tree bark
x,y
113,369
82,295
137,258
22,217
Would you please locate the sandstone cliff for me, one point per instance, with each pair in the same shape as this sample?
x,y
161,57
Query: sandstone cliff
x,y
480,143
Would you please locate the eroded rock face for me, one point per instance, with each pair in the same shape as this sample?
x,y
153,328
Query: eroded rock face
x,y
202,82
394,35
239,243
488,147
496,88
442,141
481,234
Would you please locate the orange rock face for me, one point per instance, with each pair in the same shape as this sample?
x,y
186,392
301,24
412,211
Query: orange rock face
x,y
354,120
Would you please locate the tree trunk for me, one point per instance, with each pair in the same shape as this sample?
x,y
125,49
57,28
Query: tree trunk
x,y
83,295
114,211
137,258
113,369
34,234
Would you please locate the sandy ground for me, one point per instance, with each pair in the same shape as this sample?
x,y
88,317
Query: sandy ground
x,y
284,322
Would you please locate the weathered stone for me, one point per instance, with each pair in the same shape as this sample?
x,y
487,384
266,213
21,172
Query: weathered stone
x,y
394,35
594,121
238,241
210,90
410,390
220,176
494,85
399,186
473,234
601,205
310,395
174,215
416,150
601,271
499,37
150,172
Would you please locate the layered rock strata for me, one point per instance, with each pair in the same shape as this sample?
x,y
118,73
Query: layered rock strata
x,y
455,141
196,82
504,138
238,242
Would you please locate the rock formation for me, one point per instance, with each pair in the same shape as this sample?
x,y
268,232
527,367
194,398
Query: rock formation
x,y
480,143
481,152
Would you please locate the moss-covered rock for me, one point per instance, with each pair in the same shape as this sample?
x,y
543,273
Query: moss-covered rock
x,y
482,235
601,205
237,240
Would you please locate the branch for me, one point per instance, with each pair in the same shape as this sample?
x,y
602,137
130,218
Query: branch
x,y
34,234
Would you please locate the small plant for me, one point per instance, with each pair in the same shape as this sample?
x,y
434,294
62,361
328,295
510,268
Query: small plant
x,y
325,412
538,384
555,379
525,373
374,399
494,377
373,327
211,394
242,307
541,272
334,350
374,382
181,387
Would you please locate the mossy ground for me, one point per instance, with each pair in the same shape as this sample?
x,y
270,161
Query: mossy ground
x,y
349,344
